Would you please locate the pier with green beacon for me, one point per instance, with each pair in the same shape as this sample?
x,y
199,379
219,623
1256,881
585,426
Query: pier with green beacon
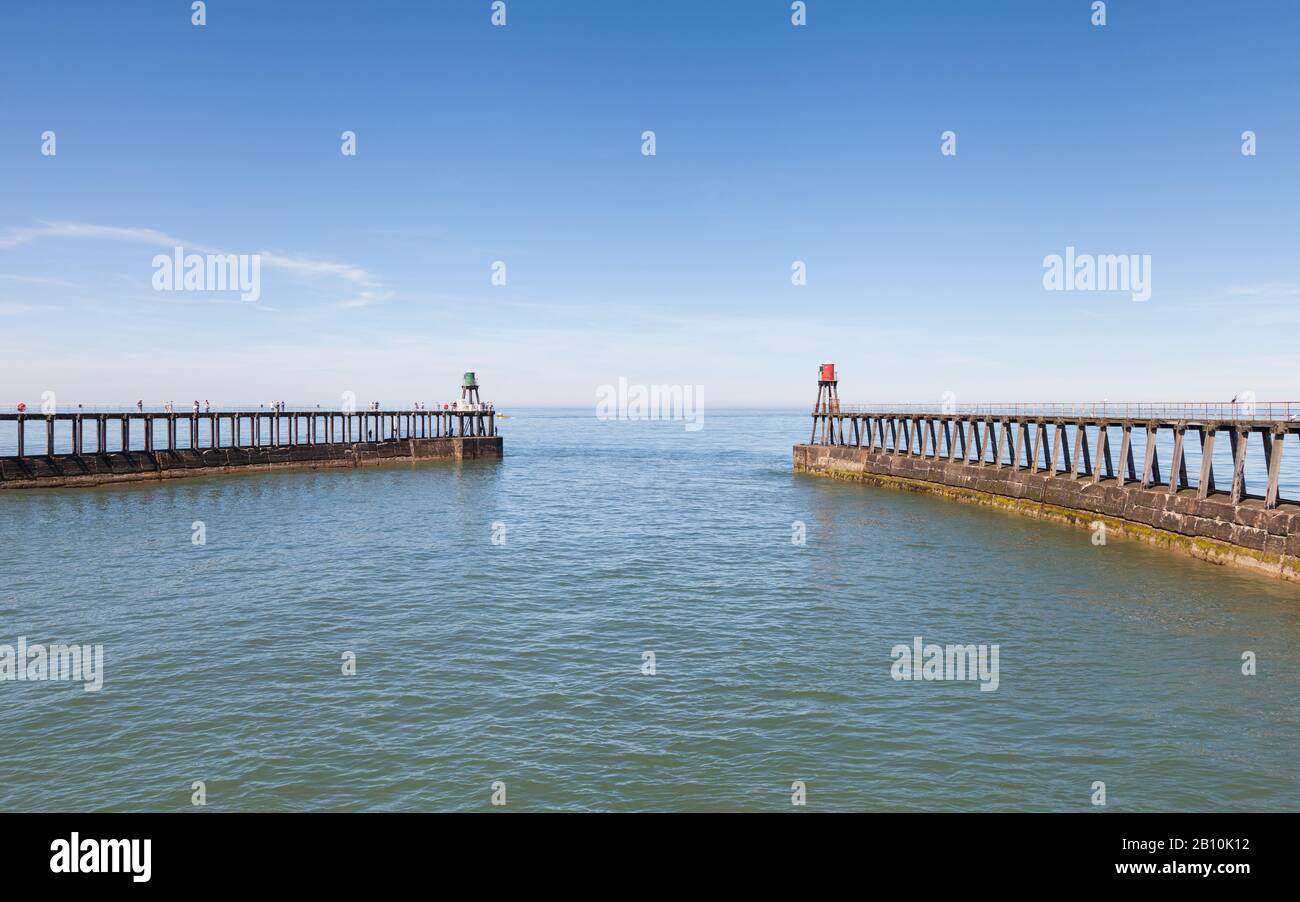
x,y
88,448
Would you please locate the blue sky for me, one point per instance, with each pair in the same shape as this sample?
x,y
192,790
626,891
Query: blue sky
x,y
774,144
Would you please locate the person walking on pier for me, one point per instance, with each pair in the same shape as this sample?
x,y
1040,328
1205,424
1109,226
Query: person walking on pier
x,y
207,406
139,405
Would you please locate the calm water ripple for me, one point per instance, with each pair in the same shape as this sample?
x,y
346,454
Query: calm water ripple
x,y
522,662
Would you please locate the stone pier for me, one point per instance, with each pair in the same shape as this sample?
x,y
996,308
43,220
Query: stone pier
x,y
1087,468
97,448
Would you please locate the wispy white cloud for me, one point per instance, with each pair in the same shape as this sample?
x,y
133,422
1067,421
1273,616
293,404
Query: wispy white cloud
x,y
13,237
39,280
366,298
303,267
1266,290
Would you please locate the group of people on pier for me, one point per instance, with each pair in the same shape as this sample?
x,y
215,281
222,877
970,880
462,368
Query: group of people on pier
x,y
169,407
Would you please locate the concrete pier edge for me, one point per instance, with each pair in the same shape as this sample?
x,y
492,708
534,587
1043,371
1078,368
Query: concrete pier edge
x,y
74,470
1277,532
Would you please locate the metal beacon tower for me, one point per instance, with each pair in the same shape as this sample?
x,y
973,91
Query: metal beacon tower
x,y
828,400
469,391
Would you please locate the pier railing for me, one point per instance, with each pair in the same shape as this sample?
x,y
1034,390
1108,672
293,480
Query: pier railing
x,y
81,433
1120,444
1273,411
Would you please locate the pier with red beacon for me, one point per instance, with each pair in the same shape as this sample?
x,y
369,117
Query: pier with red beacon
x,y
1121,466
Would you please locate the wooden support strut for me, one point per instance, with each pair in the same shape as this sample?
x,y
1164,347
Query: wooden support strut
x,y
1178,466
1080,445
1156,478
1061,450
1126,464
1110,464
1273,461
1240,441
1103,453
1205,484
